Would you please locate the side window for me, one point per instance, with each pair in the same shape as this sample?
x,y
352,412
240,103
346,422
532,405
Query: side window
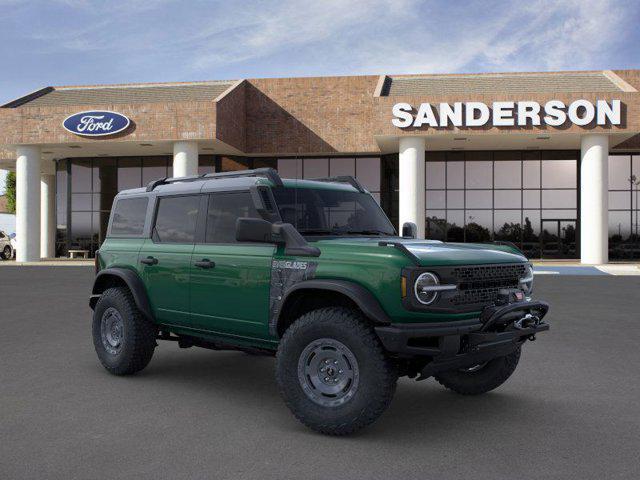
x,y
176,219
128,216
224,210
2,235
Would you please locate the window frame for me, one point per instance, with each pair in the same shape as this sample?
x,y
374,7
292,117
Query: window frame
x,y
205,218
197,236
116,202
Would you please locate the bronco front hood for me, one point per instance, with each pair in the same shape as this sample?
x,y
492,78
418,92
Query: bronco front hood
x,y
432,252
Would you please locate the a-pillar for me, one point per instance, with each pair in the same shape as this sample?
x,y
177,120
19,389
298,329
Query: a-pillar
x,y
27,203
594,204
48,209
411,182
185,158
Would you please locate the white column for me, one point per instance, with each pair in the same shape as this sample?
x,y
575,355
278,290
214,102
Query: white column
x,y
28,203
185,158
48,210
594,201
411,182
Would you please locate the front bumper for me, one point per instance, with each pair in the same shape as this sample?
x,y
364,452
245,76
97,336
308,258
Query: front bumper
x,y
450,345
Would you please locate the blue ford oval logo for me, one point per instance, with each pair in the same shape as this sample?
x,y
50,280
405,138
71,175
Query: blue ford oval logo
x,y
96,123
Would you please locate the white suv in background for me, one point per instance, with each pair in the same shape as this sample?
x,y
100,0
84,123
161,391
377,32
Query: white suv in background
x,y
6,246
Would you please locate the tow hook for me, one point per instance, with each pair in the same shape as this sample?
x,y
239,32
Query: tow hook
x,y
527,321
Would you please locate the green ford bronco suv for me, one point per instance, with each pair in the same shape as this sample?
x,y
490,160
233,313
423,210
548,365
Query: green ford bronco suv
x,y
313,272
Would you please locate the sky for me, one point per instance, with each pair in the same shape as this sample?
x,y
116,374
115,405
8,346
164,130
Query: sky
x,y
76,42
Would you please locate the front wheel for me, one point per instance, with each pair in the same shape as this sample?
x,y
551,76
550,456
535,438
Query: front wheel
x,y
480,378
6,253
333,373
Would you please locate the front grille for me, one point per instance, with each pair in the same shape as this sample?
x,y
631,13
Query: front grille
x,y
481,284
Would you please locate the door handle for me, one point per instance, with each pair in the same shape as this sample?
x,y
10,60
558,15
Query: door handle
x,y
149,260
205,263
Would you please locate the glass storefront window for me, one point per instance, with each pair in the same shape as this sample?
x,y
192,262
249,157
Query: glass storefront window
x,y
531,199
129,173
81,175
455,198
624,202
485,196
153,169
435,173
559,173
507,199
368,173
479,174
507,174
342,166
479,198
531,174
436,199
316,168
290,167
455,174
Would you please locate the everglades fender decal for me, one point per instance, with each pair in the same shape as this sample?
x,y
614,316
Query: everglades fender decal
x,y
284,275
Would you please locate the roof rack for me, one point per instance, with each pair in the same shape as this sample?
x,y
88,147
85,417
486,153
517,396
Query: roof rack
x,y
269,173
344,179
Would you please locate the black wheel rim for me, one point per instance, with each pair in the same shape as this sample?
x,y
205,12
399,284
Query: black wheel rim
x,y
328,372
112,330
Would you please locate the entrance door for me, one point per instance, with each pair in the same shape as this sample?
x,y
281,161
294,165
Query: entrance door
x,y
558,238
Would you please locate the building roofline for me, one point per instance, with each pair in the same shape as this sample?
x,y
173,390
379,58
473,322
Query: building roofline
x,y
28,97
141,85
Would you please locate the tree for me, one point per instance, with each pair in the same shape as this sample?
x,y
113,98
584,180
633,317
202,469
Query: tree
x,y
11,192
477,233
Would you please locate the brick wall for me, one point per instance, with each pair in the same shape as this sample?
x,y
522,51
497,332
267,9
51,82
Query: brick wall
x,y
288,116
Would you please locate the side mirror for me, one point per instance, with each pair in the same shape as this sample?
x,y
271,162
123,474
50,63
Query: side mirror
x,y
253,230
409,230
262,231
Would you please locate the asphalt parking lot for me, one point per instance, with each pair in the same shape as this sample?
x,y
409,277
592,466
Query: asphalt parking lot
x,y
571,410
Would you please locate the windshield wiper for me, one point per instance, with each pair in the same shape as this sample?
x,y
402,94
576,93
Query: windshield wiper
x,y
367,232
318,231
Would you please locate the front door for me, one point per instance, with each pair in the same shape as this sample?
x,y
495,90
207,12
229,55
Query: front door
x,y
558,238
165,259
230,280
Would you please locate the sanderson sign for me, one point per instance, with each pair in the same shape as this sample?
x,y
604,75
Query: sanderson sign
x,y
507,114
96,123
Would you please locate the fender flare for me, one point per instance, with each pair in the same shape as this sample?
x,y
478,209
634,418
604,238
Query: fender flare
x,y
133,282
362,297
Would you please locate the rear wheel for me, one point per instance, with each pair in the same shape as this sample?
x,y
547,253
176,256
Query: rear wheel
x,y
480,378
123,337
333,373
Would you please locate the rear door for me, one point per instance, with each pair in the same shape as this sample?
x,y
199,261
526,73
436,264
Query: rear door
x,y
165,258
229,279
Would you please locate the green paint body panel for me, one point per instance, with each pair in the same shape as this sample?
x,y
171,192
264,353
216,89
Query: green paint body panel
x,y
231,301
232,297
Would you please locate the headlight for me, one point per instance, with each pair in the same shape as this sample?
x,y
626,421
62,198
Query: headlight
x,y
526,281
425,288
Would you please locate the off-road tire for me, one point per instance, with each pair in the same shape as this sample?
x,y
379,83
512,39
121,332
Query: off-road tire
x,y
6,253
377,374
487,378
138,339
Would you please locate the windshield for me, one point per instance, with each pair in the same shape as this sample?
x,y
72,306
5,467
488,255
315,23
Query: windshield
x,y
331,212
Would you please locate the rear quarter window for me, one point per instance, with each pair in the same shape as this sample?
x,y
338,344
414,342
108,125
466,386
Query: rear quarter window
x,y
128,217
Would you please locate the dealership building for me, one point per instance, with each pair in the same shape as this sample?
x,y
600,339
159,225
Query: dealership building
x,y
548,161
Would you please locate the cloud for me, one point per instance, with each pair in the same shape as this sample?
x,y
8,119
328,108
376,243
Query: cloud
x,y
78,41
